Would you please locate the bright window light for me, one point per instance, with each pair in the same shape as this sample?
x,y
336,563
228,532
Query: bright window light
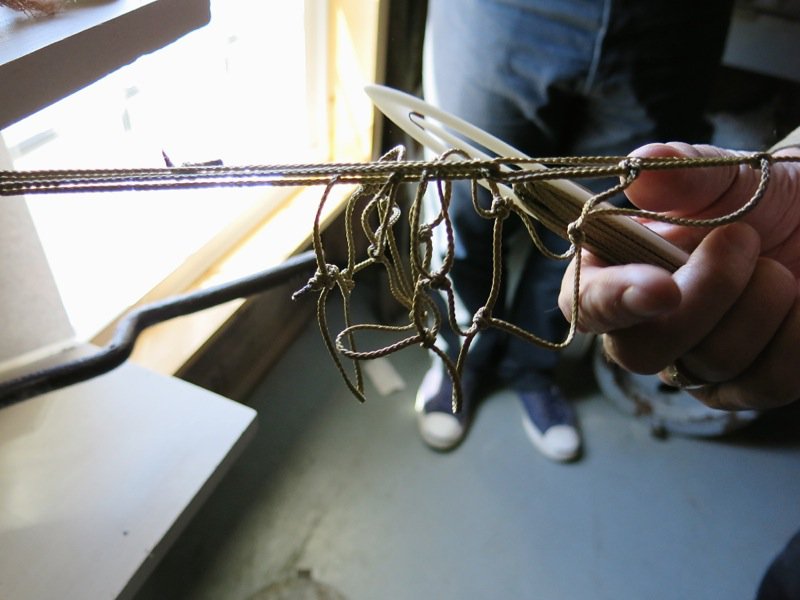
x,y
235,90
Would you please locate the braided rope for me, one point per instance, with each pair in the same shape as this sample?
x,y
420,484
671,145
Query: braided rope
x,y
412,279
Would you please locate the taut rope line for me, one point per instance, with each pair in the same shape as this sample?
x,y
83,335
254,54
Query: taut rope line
x,y
594,225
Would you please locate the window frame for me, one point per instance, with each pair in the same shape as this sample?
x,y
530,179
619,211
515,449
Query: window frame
x,y
169,347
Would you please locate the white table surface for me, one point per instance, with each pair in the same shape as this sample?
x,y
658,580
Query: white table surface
x,y
96,480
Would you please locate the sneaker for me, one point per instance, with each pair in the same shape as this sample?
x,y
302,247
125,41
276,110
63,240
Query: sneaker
x,y
550,423
439,427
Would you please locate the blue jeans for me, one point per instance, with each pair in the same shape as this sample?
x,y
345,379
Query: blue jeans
x,y
561,77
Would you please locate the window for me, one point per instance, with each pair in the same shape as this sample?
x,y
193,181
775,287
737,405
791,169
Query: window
x,y
254,86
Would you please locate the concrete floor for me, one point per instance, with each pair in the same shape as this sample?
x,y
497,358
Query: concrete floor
x,y
335,500
341,500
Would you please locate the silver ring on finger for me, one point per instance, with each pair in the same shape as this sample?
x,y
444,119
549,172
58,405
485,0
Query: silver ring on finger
x,y
677,376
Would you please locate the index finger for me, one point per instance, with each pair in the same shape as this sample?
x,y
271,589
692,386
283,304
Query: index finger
x,y
703,193
687,192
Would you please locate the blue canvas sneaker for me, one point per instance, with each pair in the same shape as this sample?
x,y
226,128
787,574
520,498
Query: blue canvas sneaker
x,y
550,423
439,427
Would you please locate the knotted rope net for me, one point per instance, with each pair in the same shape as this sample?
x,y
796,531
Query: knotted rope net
x,y
375,210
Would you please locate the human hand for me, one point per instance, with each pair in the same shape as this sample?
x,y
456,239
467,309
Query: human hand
x,y
731,316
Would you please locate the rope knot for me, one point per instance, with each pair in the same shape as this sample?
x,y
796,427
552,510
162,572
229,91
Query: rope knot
x,y
481,318
425,233
321,280
437,281
500,207
575,233
632,166
427,338
760,157
488,173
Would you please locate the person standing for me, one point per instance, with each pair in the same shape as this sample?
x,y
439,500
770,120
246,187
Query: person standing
x,y
551,78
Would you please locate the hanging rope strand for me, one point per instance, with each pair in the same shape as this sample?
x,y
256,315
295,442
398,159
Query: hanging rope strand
x,y
414,285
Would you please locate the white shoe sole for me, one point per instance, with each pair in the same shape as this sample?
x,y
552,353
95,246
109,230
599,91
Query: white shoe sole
x,y
439,430
560,443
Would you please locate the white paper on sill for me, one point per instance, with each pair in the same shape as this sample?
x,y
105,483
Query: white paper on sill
x,y
383,376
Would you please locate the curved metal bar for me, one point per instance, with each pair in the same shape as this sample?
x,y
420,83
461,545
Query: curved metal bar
x,y
117,352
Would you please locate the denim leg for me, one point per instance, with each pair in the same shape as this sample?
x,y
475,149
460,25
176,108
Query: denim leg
x,y
557,77
653,78
506,66
483,69
577,76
